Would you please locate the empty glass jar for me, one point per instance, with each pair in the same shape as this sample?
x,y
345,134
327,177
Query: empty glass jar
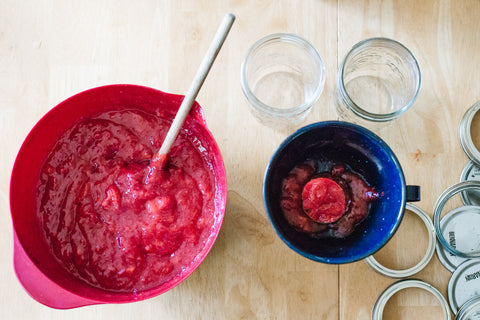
x,y
282,76
377,81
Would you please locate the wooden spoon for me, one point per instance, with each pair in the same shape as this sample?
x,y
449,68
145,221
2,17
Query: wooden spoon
x,y
159,159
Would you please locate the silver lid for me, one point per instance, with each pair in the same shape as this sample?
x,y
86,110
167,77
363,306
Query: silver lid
x,y
461,227
464,284
470,310
467,234
375,265
470,173
465,134
379,306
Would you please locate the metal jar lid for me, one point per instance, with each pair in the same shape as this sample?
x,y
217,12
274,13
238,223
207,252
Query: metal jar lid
x,y
379,306
375,265
464,284
471,172
457,226
470,310
465,134
465,246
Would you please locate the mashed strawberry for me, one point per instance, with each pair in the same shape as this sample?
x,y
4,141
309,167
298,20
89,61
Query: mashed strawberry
x,y
325,204
112,218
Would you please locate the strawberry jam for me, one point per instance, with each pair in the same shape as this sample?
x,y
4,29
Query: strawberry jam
x,y
328,203
323,200
111,217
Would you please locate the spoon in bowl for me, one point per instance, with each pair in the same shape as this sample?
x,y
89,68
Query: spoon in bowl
x,y
159,159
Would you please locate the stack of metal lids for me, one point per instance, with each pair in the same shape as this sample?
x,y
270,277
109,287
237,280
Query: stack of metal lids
x,y
458,231
458,235
377,311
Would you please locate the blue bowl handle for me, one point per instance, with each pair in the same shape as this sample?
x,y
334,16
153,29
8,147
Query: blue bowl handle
x,y
413,193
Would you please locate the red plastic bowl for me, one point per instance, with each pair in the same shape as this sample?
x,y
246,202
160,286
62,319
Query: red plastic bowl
x,y
36,267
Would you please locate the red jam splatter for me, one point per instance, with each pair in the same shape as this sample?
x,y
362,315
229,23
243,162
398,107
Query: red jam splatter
x,y
111,218
323,200
327,221
417,155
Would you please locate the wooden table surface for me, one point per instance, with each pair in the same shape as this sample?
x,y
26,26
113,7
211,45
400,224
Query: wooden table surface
x,y
50,50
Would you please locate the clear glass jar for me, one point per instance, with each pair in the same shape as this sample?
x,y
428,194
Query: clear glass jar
x,y
282,76
377,81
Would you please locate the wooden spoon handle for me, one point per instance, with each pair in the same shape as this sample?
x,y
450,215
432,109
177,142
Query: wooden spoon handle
x,y
197,83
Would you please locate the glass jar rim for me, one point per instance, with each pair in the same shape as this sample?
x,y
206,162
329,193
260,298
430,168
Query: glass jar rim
x,y
287,38
358,110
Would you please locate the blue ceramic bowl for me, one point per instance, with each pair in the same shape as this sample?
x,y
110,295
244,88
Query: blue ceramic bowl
x,y
366,154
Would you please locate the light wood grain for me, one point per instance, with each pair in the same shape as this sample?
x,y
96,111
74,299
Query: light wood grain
x,y
440,34
194,88
50,50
